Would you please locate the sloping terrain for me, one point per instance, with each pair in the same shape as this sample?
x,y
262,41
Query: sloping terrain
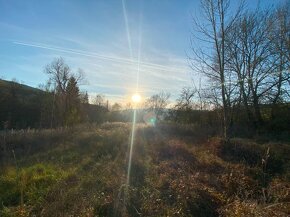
x,y
20,90
174,172
20,105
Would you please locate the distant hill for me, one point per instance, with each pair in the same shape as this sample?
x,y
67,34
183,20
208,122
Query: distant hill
x,y
21,90
20,105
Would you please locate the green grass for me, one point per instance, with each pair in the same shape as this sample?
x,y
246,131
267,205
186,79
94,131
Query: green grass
x,y
175,172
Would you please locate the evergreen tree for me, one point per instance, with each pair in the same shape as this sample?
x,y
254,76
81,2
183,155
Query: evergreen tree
x,y
72,102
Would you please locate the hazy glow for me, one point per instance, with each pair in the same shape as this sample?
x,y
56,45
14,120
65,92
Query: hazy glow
x,y
136,98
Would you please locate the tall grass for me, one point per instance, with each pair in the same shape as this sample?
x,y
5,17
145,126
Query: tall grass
x,y
177,170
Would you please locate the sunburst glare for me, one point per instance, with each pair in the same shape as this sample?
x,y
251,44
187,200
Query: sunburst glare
x,y
136,98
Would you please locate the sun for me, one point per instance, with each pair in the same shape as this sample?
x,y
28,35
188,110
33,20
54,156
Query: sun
x,y
136,98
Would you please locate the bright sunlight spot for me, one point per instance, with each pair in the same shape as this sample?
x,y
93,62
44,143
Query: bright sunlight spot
x,y
136,98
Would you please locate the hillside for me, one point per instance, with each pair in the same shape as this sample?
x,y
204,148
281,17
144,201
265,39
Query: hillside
x,y
20,105
176,171
20,90
23,107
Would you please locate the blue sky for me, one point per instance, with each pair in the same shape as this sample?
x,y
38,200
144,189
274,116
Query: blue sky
x,y
92,35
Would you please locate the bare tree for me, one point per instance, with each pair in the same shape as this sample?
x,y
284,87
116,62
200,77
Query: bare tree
x,y
250,55
201,93
62,79
185,100
280,38
158,103
59,74
212,59
99,100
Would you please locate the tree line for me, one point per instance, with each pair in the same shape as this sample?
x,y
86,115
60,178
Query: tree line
x,y
241,57
244,57
58,103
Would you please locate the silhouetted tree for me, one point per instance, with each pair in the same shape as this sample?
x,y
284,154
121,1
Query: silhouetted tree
x,y
158,103
211,63
116,107
84,97
65,107
186,99
99,100
72,102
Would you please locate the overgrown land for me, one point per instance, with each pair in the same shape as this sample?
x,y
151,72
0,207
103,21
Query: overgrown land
x,y
220,148
176,171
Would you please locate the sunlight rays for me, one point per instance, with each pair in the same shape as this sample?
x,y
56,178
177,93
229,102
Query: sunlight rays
x,y
127,28
136,97
131,147
139,52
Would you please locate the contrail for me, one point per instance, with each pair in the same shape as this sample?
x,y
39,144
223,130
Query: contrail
x,y
100,56
73,51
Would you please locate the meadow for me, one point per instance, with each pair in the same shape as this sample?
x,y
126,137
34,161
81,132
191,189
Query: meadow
x,y
176,171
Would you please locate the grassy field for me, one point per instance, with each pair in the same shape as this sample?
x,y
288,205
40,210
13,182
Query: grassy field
x,y
176,171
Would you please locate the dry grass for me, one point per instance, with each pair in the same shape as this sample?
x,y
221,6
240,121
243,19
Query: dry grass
x,y
82,172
